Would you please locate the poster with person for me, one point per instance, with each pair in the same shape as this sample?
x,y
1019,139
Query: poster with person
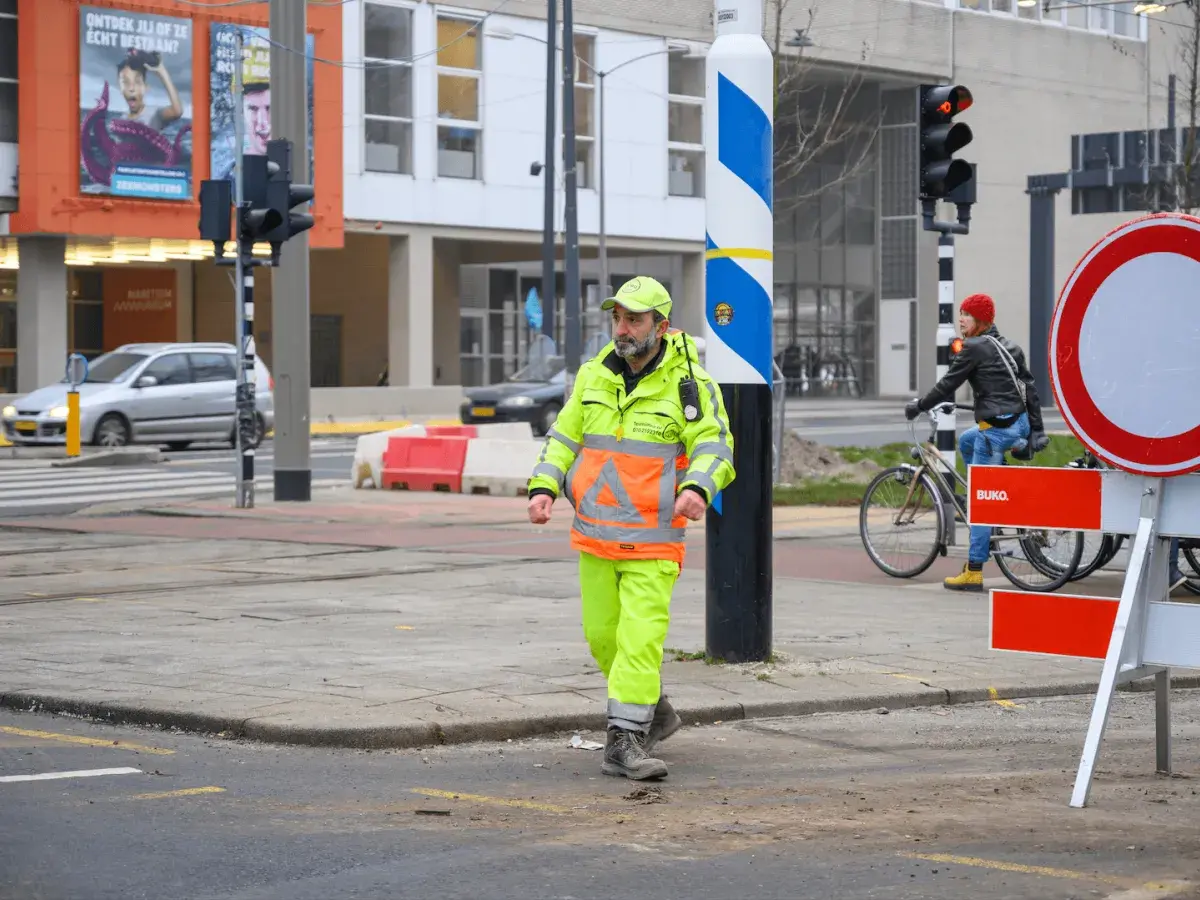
x,y
135,98
255,107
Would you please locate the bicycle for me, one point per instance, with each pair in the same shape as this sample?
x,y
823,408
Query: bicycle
x,y
1110,544
927,490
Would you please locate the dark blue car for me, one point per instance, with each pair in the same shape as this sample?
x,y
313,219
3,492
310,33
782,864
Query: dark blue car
x,y
533,394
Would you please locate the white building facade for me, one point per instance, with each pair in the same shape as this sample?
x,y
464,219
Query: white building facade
x,y
444,118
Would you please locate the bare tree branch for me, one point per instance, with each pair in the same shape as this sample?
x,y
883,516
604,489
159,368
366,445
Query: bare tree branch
x,y
819,116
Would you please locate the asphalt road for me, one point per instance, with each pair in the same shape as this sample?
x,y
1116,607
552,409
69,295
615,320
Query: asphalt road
x,y
968,801
36,489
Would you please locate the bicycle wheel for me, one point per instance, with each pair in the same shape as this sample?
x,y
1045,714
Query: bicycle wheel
x,y
1053,556
896,509
1192,584
1117,543
1096,554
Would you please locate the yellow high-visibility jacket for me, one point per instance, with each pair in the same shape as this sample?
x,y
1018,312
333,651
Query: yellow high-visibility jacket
x,y
622,460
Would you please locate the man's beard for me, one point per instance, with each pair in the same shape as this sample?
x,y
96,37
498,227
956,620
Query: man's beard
x,y
627,348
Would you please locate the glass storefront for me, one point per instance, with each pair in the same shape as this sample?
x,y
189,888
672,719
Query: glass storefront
x,y
826,250
494,334
86,314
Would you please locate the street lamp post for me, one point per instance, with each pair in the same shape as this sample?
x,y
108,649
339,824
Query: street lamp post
x,y
602,237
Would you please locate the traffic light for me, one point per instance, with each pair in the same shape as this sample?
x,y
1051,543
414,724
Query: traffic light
x,y
283,196
941,138
216,199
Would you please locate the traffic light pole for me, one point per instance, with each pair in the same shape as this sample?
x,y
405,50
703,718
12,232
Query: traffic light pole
x,y
290,306
243,304
946,443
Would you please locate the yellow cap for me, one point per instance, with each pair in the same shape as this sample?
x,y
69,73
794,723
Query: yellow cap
x,y
639,295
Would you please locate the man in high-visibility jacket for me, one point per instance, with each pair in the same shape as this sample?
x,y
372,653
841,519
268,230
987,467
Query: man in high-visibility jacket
x,y
641,446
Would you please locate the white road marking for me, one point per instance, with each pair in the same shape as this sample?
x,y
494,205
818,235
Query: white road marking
x,y
80,773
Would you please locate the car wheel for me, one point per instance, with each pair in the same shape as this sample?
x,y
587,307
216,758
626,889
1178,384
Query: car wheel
x,y
260,429
548,418
112,431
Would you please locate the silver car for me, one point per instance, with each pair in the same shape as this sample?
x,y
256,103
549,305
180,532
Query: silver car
x,y
173,394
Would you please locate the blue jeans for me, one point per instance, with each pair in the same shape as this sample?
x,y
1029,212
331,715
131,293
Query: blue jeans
x,y
987,448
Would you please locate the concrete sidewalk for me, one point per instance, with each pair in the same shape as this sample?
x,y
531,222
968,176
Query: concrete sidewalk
x,y
371,619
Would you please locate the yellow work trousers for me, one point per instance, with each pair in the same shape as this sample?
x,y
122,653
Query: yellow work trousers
x,y
626,612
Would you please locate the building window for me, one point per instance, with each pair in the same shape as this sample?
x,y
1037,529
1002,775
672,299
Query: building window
x,y
585,110
8,71
1108,17
387,88
85,289
459,73
8,332
685,127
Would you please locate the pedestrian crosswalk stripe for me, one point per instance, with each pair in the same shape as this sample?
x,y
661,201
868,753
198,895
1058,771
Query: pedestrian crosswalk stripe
x,y
18,479
49,489
22,491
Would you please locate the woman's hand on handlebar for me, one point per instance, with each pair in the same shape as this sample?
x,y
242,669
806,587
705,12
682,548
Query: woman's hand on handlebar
x,y
912,409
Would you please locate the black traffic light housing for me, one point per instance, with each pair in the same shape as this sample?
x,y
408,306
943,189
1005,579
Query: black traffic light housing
x,y
283,196
940,175
941,138
265,214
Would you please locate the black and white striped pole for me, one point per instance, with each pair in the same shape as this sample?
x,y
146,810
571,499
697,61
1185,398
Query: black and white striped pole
x,y
946,436
941,177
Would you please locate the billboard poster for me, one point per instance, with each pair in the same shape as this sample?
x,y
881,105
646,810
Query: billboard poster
x,y
135,98
256,95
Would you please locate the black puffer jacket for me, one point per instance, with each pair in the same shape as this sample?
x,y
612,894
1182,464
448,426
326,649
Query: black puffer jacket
x,y
980,363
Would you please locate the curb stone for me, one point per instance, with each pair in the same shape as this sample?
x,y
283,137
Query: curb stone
x,y
414,736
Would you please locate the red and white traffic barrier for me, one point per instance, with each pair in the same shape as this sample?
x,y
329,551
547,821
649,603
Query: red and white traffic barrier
x,y
1124,366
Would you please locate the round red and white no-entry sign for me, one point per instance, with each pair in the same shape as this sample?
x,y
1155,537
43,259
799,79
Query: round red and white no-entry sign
x,y
1125,346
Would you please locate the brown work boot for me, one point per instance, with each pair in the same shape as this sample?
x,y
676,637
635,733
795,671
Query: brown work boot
x,y
666,723
626,756
967,580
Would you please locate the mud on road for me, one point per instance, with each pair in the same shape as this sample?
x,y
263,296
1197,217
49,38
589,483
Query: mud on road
x,y
980,791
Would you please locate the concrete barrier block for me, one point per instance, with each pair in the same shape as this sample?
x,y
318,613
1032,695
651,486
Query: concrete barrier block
x,y
498,467
505,431
367,470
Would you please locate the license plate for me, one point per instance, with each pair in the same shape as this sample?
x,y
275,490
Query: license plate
x,y
25,425
482,411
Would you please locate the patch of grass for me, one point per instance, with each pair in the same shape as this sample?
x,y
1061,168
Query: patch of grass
x,y
836,491
843,491
887,455
763,676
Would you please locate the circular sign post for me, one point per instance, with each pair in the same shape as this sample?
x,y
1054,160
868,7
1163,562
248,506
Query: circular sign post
x,y
1125,347
77,372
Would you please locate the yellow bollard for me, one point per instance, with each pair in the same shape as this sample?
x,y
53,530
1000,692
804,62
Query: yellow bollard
x,y
72,423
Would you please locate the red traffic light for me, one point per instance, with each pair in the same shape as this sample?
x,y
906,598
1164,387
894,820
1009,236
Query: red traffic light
x,y
948,99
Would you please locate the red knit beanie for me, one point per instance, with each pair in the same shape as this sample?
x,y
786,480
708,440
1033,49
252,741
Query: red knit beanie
x,y
980,307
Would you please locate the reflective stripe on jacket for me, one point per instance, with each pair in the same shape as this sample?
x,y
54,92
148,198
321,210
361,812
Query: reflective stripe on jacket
x,y
622,460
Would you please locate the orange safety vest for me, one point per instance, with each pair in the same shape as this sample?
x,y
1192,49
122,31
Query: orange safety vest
x,y
623,492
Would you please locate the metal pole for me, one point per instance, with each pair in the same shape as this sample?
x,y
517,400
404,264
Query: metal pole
x,y
549,294
243,301
289,309
946,443
605,290
573,337
1041,284
739,280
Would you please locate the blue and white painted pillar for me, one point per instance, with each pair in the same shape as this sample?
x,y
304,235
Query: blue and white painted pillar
x,y
739,280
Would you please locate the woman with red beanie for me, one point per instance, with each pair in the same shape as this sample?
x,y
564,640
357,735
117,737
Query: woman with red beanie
x,y
1008,412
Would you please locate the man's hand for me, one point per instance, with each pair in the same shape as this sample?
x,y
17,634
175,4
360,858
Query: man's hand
x,y
539,509
1038,441
911,410
690,505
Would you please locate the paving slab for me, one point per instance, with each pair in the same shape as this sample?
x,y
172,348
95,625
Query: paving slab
x,y
405,621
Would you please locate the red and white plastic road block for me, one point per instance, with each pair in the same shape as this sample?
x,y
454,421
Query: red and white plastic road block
x,y
1124,356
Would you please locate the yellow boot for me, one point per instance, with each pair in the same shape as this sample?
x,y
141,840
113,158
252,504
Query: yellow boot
x,y
966,580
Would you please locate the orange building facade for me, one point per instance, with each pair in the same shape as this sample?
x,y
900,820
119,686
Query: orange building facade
x,y
124,107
